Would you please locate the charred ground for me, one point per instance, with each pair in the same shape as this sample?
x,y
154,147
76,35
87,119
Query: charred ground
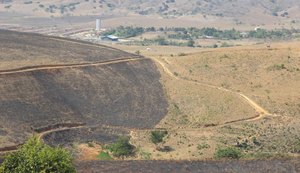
x,y
269,166
123,94
21,50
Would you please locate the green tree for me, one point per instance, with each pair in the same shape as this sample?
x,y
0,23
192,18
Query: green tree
x,y
34,156
157,136
191,43
121,147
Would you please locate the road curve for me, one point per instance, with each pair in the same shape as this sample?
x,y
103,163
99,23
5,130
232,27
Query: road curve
x,y
261,111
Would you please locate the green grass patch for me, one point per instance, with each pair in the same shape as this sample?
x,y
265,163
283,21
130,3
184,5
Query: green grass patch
x,y
229,153
104,156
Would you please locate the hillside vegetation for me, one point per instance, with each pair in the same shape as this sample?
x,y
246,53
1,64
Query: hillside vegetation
x,y
227,8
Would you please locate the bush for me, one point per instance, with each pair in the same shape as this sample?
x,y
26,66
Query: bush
x,y
182,54
121,147
277,67
203,146
191,43
157,136
34,156
164,149
225,44
137,52
104,156
144,155
230,153
297,147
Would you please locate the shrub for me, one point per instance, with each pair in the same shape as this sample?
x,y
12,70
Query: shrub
x,y
157,136
297,146
137,52
243,145
104,156
255,141
203,146
230,152
225,44
277,67
182,54
164,149
90,144
34,156
144,155
121,147
191,43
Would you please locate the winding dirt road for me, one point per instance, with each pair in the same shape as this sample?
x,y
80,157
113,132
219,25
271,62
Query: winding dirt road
x,y
261,111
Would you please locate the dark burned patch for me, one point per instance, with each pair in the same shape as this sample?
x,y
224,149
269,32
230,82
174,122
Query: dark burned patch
x,y
124,94
99,134
270,166
2,132
38,48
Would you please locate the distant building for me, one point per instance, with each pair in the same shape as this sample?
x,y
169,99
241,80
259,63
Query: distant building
x,y
110,38
244,34
257,28
209,37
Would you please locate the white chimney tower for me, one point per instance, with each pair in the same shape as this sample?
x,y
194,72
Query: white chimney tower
x,y
98,24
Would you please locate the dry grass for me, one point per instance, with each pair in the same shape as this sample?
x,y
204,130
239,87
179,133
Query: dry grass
x,y
268,76
251,70
193,105
88,151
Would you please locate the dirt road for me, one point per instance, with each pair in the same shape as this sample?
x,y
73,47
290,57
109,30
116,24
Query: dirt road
x,y
261,111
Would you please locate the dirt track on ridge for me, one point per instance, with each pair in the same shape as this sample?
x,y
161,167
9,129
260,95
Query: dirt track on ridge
x,y
62,66
261,111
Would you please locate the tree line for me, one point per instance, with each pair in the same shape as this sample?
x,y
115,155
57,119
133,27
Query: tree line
x,y
193,33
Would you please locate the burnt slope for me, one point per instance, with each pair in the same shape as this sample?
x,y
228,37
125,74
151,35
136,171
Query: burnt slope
x,y
27,49
265,166
126,94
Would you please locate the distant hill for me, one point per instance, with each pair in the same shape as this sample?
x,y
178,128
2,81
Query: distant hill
x,y
240,14
226,8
